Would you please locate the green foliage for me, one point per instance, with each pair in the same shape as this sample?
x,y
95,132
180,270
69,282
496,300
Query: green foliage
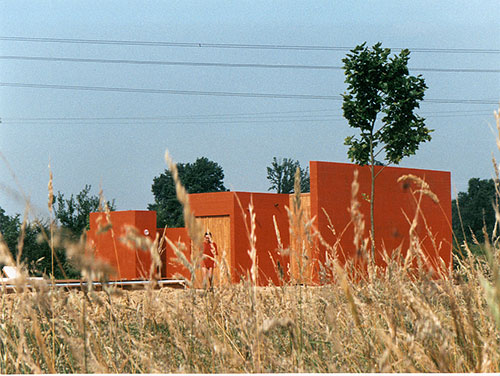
x,y
35,252
281,175
377,85
476,211
72,219
201,176
73,214
9,228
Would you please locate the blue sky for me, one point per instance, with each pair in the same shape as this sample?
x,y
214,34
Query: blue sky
x,y
118,139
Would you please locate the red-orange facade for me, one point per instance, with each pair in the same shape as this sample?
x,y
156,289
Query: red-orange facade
x,y
227,216
234,206
108,239
395,209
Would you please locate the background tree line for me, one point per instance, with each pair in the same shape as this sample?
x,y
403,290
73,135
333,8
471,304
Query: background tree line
x,y
71,219
473,213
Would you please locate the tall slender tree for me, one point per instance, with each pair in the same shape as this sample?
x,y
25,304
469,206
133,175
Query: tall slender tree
x,y
380,102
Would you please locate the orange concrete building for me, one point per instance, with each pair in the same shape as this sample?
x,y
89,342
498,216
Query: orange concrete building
x,y
108,239
325,210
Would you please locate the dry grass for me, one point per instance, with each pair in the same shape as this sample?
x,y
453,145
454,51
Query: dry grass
x,y
388,322
394,324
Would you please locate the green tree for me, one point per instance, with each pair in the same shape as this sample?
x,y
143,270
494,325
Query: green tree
x,y
475,211
73,214
10,228
35,251
201,176
72,219
281,175
379,85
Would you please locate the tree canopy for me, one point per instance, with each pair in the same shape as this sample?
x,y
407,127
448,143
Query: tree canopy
x,y
73,214
201,176
9,228
35,252
281,176
71,219
476,210
379,85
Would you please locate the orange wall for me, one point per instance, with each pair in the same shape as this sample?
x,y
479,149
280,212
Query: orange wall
x,y
171,268
266,205
331,190
128,263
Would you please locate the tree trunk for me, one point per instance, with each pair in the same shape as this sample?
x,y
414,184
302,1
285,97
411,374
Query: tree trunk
x,y
372,211
372,200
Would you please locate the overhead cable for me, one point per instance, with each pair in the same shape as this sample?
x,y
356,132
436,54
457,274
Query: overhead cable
x,y
232,45
244,115
169,91
224,65
219,93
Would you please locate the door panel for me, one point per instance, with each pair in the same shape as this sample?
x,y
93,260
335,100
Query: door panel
x,y
220,227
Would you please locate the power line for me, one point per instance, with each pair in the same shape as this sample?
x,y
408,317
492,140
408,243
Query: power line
x,y
220,93
273,117
177,122
247,115
225,65
233,45
149,121
174,92
240,114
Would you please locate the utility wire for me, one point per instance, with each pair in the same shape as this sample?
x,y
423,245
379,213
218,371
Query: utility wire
x,y
149,121
175,92
232,114
233,45
219,93
225,65
241,114
275,117
177,122
248,115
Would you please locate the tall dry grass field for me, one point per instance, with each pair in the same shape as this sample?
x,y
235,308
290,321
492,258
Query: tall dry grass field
x,y
383,322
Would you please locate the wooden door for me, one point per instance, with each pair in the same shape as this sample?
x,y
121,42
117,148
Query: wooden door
x,y
220,227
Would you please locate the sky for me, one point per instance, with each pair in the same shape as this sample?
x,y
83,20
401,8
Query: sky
x,y
134,85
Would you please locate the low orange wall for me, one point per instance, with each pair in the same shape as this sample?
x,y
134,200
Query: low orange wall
x,y
395,206
108,242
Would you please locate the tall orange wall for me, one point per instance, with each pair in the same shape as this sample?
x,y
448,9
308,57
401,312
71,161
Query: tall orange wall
x,y
266,205
331,191
129,263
